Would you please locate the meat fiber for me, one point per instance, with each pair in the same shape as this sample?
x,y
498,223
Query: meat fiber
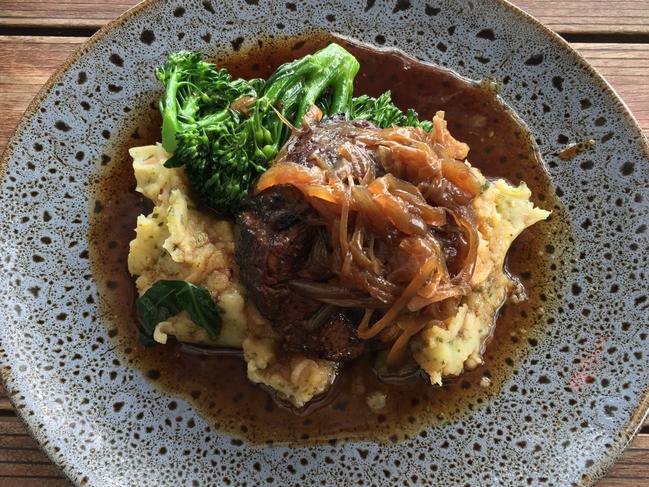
x,y
277,243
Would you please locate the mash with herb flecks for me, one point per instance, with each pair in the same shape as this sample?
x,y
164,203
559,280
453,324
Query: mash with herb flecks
x,y
311,228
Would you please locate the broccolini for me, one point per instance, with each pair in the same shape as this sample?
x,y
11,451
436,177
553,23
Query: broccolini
x,y
383,113
226,132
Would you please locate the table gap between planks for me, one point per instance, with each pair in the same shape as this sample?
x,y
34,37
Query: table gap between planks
x,y
37,36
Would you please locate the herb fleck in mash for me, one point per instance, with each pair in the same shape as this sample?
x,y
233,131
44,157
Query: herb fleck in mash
x,y
310,228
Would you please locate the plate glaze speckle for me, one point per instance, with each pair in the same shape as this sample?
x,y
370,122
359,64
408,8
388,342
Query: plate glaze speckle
x,y
567,410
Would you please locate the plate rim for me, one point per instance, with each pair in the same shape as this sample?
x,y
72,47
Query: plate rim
x,y
642,411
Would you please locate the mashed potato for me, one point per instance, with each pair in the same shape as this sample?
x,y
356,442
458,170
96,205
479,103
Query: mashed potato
x,y
295,377
502,212
177,241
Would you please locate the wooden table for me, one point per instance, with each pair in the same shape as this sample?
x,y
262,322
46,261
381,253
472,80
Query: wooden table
x,y
36,36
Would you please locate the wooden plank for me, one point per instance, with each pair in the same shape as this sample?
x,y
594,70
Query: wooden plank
x,y
610,482
34,470
27,64
29,61
590,16
23,455
17,441
34,482
574,17
91,14
12,426
22,462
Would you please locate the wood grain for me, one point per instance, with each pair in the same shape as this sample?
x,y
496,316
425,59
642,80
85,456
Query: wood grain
x,y
90,14
34,482
590,16
569,17
28,62
22,463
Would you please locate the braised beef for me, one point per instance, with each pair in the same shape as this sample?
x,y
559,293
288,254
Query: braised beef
x,y
333,339
281,239
319,144
278,233
273,247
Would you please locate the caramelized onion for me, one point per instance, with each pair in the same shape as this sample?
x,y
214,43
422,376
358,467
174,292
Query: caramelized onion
x,y
342,234
403,154
321,192
471,249
404,221
369,210
410,291
243,104
418,302
334,295
291,173
458,173
400,237
441,135
398,351
356,249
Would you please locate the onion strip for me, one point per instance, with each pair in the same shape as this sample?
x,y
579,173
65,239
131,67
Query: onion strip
x,y
471,256
422,276
342,233
398,350
388,238
356,248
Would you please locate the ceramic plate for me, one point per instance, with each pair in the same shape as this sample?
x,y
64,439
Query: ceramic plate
x,y
576,387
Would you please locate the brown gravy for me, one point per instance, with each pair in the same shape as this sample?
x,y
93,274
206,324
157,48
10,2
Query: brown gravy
x,y
217,385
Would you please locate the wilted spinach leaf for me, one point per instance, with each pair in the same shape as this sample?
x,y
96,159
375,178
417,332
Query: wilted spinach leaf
x,y
167,298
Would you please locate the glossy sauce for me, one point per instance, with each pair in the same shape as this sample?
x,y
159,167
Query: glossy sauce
x,y
217,385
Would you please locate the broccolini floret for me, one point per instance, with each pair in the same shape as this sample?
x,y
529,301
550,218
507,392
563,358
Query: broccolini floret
x,y
222,148
226,132
383,113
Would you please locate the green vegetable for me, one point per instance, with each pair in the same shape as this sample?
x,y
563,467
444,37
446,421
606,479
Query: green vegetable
x,y
167,298
197,95
223,149
383,113
225,145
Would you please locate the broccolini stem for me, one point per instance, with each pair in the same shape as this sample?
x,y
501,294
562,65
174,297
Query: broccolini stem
x,y
169,112
225,144
337,69
343,88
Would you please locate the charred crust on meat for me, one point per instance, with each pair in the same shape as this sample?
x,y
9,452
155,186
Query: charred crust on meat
x,y
275,240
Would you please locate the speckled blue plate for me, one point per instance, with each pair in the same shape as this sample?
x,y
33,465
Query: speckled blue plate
x,y
545,425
